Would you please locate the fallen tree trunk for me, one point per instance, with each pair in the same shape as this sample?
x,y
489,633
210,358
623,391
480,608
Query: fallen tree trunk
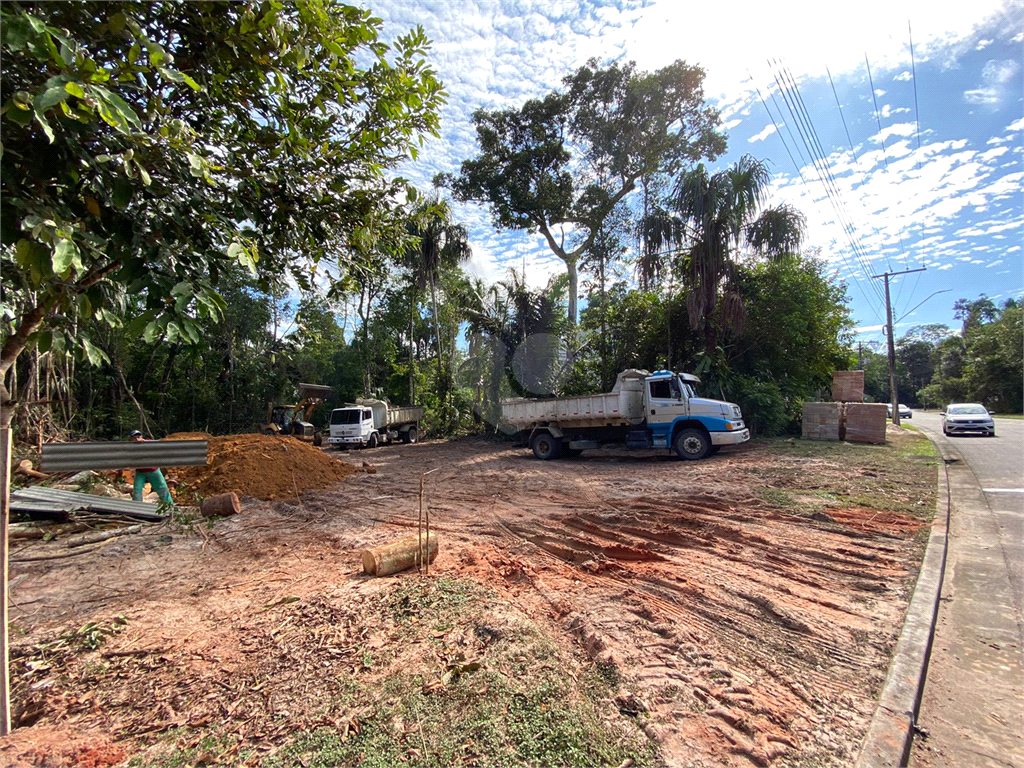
x,y
392,558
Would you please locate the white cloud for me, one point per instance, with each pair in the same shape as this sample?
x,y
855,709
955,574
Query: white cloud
x,y
888,110
982,45
995,263
767,131
732,124
982,96
1000,71
903,76
879,92
1017,125
998,76
898,129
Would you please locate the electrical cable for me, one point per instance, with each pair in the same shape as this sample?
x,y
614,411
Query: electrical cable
x,y
809,136
782,138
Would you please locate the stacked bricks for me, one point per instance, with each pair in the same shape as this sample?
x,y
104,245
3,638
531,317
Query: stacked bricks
x,y
865,423
822,421
848,386
848,417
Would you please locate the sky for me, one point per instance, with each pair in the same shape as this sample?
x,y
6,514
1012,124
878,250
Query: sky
x,y
898,163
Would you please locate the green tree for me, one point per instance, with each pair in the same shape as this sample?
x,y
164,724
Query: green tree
x,y
561,164
436,243
994,371
705,224
147,147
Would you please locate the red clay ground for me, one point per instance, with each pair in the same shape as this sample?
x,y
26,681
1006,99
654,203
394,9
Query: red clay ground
x,y
753,632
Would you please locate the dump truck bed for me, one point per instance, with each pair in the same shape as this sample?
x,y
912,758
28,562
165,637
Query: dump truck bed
x,y
622,406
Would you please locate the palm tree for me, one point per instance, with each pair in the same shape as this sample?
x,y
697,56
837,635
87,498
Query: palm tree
x,y
705,225
436,243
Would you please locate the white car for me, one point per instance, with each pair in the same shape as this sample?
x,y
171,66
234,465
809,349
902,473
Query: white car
x,y
967,418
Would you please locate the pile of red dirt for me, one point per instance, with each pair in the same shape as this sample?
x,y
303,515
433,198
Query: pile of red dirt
x,y
260,466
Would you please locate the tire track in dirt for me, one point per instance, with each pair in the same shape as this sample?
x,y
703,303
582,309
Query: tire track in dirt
x,y
744,630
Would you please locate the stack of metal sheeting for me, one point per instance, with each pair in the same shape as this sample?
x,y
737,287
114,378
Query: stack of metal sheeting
x,y
42,500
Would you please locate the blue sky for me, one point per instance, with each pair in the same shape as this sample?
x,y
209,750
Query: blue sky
x,y
936,184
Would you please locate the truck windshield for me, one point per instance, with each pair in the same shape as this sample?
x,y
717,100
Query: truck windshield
x,y
688,389
346,416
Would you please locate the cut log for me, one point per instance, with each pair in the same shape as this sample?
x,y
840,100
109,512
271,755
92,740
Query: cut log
x,y
392,558
221,506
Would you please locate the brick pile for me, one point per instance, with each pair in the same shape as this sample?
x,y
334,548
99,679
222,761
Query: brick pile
x,y
848,386
822,421
865,423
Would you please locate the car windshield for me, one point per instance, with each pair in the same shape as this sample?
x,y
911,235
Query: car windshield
x,y
967,409
346,416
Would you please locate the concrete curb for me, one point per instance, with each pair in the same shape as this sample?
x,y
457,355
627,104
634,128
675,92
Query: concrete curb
x,y
888,741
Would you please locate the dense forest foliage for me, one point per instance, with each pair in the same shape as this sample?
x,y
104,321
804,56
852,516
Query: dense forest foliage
x,y
201,210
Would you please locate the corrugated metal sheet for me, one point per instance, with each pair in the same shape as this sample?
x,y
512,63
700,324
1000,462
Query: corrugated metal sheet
x,y
71,457
71,500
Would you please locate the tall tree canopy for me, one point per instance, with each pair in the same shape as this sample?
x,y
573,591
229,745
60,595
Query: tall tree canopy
x,y
147,146
559,165
704,225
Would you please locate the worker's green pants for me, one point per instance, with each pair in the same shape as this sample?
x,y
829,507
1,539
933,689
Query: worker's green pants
x,y
156,482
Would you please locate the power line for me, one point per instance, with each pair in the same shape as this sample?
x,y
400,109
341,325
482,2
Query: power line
x,y
917,131
781,137
800,173
878,118
798,109
841,117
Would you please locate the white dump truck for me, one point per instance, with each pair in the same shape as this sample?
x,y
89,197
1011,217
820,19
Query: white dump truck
x,y
369,423
643,410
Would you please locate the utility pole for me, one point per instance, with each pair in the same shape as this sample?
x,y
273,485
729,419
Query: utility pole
x,y
894,394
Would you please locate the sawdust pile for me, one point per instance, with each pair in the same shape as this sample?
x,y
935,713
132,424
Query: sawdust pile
x,y
260,466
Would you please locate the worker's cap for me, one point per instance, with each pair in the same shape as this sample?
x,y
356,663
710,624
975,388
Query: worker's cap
x,y
135,433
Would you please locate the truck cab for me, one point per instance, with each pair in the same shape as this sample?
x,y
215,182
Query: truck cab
x,y
353,425
694,426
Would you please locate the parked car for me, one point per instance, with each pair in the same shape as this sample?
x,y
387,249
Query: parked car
x,y
966,418
905,412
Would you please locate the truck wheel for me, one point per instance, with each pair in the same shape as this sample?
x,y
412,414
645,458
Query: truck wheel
x,y
546,447
692,444
372,442
410,435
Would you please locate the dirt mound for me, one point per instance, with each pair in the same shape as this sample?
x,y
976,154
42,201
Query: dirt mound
x,y
189,436
261,466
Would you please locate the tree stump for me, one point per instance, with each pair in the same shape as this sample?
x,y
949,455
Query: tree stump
x,y
221,506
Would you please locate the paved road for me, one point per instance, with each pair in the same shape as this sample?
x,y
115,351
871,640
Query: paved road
x,y
972,709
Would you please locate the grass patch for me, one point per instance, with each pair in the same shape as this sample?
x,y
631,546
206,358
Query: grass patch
x,y
454,676
898,476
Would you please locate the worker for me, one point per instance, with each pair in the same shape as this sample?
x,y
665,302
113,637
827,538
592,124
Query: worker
x,y
151,475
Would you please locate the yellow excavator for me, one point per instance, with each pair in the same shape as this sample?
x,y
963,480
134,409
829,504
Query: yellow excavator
x,y
294,419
